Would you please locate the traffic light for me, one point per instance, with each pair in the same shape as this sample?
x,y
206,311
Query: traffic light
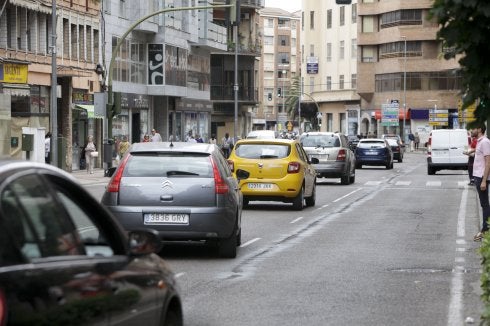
x,y
279,92
233,12
269,96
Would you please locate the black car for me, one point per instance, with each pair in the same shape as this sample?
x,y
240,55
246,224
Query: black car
x,y
374,151
64,260
397,148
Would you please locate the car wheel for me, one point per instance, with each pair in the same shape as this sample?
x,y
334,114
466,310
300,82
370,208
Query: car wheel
x,y
245,203
388,166
352,179
227,246
173,318
344,179
299,199
431,170
310,201
400,160
239,238
358,166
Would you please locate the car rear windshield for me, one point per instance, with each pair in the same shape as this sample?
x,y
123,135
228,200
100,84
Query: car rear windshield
x,y
169,165
371,144
320,141
392,142
263,151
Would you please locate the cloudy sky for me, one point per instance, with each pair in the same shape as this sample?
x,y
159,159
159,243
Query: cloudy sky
x,y
289,5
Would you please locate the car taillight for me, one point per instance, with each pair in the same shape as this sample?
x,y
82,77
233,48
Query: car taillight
x,y
3,308
113,185
341,155
231,164
294,167
220,186
429,147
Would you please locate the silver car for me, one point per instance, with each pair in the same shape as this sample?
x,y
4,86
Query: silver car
x,y
336,159
184,191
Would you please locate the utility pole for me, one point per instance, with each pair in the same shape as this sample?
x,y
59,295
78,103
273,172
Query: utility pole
x,y
53,111
404,86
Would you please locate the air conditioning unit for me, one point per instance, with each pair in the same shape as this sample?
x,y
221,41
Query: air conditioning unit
x,y
245,15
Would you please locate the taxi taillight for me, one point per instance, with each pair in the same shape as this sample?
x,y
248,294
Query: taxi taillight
x,y
294,167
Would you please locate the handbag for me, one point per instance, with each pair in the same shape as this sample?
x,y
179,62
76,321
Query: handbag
x,y
94,154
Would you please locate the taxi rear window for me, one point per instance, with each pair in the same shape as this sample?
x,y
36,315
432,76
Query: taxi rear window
x,y
262,151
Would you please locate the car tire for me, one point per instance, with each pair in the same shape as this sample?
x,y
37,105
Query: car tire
x,y
173,318
431,170
352,179
310,201
344,179
239,238
227,246
245,203
400,160
299,199
358,166
388,166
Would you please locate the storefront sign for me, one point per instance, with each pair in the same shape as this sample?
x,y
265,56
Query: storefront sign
x,y
155,64
13,73
389,114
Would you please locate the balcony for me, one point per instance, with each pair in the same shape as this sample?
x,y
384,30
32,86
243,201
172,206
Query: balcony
x,y
211,35
226,94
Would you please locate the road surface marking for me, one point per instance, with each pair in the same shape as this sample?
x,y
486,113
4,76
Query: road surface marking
x,y
179,275
455,304
459,260
322,207
403,183
373,183
463,184
433,183
350,193
296,220
460,241
249,242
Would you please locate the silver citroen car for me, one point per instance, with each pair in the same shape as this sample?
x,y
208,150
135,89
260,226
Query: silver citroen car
x,y
184,191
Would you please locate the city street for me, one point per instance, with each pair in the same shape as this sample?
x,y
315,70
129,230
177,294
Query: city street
x,y
394,248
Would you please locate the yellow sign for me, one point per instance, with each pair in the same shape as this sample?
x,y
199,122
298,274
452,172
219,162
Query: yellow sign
x,y
13,73
467,115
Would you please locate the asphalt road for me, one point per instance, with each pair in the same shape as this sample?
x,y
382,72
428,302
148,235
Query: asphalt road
x,y
394,248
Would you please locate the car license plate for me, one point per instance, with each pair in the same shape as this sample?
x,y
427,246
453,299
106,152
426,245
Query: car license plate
x,y
319,156
166,218
371,153
259,186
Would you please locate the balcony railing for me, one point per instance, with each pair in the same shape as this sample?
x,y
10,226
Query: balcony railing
x,y
226,93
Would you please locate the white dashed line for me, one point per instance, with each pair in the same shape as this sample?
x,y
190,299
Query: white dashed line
x,y
249,242
373,183
433,183
179,275
296,220
350,193
403,183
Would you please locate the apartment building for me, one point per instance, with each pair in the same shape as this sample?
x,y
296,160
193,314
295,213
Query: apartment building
x,y
249,43
329,64
401,61
279,65
26,45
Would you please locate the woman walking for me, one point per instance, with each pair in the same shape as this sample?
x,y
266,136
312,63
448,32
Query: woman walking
x,y
90,148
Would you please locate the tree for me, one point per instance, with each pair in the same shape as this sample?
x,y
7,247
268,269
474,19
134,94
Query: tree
x,y
465,31
308,109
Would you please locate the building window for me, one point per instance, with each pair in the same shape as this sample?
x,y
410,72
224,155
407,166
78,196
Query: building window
x,y
268,40
329,83
283,57
367,24
312,20
312,84
329,122
329,52
122,8
368,54
270,22
283,40
282,22
341,49
329,18
342,123
354,13
353,81
397,49
312,50
302,20
341,82
446,80
342,16
401,17
353,48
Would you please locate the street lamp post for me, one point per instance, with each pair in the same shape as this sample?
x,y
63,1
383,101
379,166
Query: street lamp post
x,y
404,86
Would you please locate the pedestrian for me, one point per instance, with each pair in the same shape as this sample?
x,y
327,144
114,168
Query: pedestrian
x,y
226,145
212,140
146,138
47,148
417,141
155,136
123,146
471,156
199,139
481,171
411,138
90,151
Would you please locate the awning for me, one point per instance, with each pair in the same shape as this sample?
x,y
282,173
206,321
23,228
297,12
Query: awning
x,y
90,111
377,114
32,5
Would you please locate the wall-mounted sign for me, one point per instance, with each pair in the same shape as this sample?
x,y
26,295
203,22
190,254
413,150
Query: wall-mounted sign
x,y
155,64
312,65
13,73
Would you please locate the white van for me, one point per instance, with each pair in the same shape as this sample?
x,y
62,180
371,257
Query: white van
x,y
445,150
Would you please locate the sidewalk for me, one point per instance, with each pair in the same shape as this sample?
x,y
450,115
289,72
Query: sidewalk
x,y
85,178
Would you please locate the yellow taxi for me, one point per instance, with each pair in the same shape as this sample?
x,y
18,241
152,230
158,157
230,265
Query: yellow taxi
x,y
278,170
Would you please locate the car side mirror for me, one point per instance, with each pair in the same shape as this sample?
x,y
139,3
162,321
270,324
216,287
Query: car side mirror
x,y
242,174
144,242
314,160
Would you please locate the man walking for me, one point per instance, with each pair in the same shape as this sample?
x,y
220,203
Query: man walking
x,y
481,171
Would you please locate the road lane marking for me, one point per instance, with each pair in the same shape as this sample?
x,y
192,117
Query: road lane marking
x,y
455,304
296,220
460,241
249,242
463,184
179,275
433,183
321,207
403,183
373,183
459,260
350,193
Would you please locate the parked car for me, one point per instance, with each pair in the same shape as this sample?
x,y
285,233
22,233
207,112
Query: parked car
x,y
262,134
397,148
374,151
353,141
279,170
445,150
185,191
393,136
65,260
336,159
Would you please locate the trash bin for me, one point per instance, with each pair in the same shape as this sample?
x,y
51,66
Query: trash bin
x,y
107,157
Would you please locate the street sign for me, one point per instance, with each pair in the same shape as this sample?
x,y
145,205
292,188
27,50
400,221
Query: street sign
x,y
390,114
438,117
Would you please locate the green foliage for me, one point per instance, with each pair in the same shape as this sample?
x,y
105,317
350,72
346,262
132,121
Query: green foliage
x,y
465,32
485,278
308,109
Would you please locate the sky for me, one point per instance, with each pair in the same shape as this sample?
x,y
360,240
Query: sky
x,y
289,5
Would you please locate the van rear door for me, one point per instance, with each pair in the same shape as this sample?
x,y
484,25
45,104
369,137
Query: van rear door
x,y
458,139
440,145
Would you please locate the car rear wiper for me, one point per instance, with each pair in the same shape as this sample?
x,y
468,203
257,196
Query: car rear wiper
x,y
269,156
170,173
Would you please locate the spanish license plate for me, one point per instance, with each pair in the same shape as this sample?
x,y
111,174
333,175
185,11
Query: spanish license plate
x,y
371,153
166,218
259,186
